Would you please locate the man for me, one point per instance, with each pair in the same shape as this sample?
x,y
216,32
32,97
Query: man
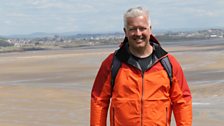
x,y
142,94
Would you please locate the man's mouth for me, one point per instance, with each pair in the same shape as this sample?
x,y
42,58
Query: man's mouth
x,y
138,38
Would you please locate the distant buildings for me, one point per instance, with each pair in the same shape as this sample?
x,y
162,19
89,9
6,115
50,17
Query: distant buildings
x,y
203,34
104,38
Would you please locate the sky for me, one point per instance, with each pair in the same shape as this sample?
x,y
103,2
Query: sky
x,y
99,16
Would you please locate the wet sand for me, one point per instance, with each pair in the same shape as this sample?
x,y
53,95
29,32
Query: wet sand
x,y
52,88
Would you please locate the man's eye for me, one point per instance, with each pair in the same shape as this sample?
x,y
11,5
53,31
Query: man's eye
x,y
142,29
132,29
135,29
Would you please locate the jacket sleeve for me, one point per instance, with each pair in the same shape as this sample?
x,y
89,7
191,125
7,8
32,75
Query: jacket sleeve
x,y
180,96
100,95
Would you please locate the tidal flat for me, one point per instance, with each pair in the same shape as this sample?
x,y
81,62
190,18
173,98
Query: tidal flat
x,y
52,87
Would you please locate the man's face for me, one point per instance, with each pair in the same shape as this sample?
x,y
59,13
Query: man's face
x,y
138,32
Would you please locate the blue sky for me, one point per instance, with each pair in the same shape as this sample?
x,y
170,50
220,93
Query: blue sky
x,y
57,16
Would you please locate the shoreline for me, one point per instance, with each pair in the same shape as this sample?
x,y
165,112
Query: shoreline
x,y
200,42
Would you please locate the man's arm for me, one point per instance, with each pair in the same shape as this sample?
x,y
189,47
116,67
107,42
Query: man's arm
x,y
180,96
100,95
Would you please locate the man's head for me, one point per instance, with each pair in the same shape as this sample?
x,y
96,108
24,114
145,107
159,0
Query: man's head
x,y
137,27
135,12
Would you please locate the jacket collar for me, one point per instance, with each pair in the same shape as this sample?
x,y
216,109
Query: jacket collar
x,y
124,55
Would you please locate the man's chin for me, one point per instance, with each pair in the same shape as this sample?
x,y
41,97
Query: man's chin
x,y
140,43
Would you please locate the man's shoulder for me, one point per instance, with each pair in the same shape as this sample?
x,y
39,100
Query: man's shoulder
x,y
174,62
108,60
172,58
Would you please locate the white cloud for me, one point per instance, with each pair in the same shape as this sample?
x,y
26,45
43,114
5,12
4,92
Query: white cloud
x,y
61,5
201,12
17,15
49,4
7,22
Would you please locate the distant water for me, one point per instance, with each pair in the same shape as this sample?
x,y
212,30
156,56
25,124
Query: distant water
x,y
205,42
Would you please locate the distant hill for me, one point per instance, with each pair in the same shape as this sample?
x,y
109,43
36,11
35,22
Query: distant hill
x,y
201,34
40,35
169,35
42,41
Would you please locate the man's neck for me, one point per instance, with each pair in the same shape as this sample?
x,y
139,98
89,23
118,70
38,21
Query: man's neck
x,y
142,52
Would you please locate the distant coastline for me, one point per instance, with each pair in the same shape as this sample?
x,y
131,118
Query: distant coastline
x,y
54,41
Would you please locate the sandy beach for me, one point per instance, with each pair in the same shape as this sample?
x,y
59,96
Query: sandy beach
x,y
52,87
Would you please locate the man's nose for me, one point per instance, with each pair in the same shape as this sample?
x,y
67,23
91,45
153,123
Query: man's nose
x,y
138,31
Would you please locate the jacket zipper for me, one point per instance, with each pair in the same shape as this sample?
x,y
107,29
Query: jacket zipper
x,y
142,72
113,117
142,109
166,116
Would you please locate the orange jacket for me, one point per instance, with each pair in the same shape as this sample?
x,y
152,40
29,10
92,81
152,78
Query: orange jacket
x,y
140,98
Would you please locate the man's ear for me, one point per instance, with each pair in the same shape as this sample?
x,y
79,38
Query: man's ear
x,y
150,30
125,31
